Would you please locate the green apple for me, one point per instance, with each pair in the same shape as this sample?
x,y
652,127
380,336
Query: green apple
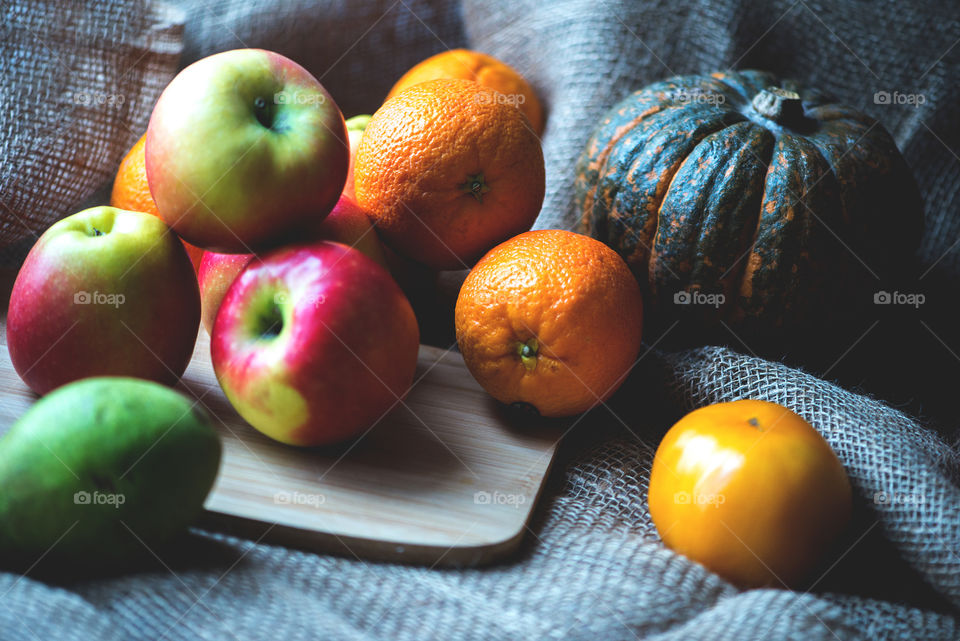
x,y
314,343
355,128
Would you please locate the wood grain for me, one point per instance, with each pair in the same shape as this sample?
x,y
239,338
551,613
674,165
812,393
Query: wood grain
x,y
448,477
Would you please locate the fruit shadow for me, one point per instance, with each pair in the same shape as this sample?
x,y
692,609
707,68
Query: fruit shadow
x,y
523,419
192,550
395,447
864,563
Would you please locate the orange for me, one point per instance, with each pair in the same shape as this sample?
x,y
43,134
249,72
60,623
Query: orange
x,y
487,70
131,192
750,490
446,172
550,320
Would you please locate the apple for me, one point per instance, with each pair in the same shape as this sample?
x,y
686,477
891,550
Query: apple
x,y
131,191
244,148
217,272
314,343
350,225
346,224
355,127
104,292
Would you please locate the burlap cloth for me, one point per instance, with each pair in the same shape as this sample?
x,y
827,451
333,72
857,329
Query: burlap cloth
x,y
591,566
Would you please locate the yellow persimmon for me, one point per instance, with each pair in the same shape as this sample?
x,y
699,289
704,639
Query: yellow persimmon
x,y
751,491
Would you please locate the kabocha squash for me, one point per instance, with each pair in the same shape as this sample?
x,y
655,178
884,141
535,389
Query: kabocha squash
x,y
755,197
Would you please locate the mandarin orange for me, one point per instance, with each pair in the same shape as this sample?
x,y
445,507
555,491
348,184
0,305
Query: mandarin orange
x,y
446,172
479,67
551,320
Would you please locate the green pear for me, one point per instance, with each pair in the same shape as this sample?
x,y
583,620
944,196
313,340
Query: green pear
x,y
102,471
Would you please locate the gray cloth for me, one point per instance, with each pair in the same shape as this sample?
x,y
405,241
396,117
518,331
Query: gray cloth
x,y
591,566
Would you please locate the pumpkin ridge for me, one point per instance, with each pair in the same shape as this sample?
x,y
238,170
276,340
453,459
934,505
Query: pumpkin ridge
x,y
722,79
744,287
828,150
758,220
841,114
871,174
655,237
817,145
716,211
731,278
603,156
593,162
619,161
790,246
641,205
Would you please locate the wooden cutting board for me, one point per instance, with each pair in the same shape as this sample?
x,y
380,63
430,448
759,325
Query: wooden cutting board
x,y
447,478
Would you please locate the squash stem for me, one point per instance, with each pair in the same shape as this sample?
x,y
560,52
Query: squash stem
x,y
779,105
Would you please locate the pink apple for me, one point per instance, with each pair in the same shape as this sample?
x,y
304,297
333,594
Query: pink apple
x,y
314,343
346,224
104,292
217,272
243,148
349,224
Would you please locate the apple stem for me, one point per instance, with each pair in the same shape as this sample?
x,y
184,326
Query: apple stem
x,y
262,112
97,232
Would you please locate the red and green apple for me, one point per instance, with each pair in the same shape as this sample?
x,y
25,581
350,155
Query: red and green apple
x,y
346,224
217,272
104,292
244,148
314,343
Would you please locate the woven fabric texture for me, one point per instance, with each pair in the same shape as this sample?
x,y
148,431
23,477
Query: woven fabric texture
x,y
591,566
79,82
